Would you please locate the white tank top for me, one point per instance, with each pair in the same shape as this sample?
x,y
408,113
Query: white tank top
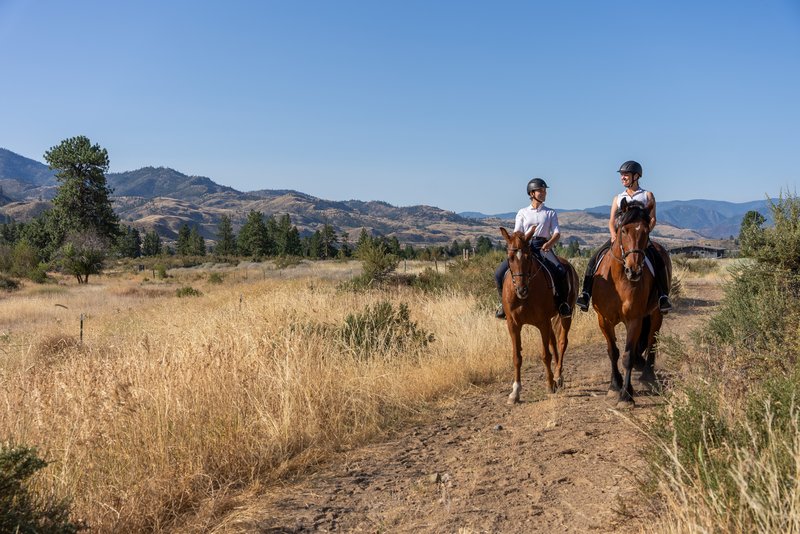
x,y
640,195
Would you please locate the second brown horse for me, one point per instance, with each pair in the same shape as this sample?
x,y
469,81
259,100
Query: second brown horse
x,y
528,299
623,293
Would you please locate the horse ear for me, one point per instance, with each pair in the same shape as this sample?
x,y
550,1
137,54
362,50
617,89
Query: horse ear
x,y
624,204
530,232
506,236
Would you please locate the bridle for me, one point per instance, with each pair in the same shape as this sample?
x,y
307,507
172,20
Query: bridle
x,y
525,276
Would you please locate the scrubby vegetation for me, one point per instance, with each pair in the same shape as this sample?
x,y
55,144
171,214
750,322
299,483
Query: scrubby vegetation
x,y
728,449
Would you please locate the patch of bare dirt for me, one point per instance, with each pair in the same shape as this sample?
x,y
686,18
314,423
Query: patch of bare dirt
x,y
567,462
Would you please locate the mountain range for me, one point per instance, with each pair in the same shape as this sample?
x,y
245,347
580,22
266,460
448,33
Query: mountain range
x,y
164,199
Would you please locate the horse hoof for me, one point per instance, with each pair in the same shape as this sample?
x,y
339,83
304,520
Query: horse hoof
x,y
511,401
612,394
559,383
625,404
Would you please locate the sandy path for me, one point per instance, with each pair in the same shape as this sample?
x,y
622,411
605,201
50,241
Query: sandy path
x,y
567,462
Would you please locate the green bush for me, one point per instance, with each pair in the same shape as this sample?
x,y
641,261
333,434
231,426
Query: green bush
x,y
699,266
8,284
377,262
215,278
21,510
381,328
38,274
187,291
161,271
282,262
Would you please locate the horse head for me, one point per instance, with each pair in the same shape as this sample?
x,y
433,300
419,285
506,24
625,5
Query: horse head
x,y
633,233
520,260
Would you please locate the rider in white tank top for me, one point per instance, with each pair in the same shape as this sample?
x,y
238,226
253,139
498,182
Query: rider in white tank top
x,y
640,195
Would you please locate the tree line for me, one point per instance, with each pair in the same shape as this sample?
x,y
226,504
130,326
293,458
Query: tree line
x,y
81,230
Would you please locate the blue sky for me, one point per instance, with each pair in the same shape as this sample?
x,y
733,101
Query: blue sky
x,y
451,104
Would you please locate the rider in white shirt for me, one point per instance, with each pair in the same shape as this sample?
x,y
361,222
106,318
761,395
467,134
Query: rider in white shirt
x,y
630,173
542,242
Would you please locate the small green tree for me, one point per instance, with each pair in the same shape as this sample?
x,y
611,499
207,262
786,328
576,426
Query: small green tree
x,y
82,254
197,245
377,263
183,244
226,239
751,232
252,240
129,243
151,246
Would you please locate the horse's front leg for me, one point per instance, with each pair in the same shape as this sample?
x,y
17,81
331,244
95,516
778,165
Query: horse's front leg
x,y
548,339
634,329
613,354
515,330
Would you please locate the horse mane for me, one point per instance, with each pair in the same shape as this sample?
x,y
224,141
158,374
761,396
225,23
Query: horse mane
x,y
634,211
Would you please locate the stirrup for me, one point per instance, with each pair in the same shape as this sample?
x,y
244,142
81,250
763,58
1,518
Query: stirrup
x,y
501,312
564,310
583,301
664,305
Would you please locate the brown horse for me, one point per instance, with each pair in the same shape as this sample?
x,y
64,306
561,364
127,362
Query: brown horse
x,y
623,292
528,299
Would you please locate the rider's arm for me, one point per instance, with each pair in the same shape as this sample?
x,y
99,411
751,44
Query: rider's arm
x,y
612,220
652,203
519,222
552,241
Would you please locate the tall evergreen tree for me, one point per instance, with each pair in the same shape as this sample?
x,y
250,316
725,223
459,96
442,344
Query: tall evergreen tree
x,y
226,240
129,244
328,241
151,246
183,245
83,202
197,245
252,240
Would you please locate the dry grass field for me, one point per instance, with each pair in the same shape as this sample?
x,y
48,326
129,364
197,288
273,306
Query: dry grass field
x,y
171,405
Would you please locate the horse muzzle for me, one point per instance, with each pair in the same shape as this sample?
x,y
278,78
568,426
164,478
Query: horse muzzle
x,y
633,274
522,292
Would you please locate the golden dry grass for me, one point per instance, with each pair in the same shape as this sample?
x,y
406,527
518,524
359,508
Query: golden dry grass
x,y
171,405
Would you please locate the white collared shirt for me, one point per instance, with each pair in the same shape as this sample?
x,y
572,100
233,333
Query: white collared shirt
x,y
544,218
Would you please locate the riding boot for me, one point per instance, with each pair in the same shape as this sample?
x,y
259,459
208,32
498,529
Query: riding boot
x,y
586,294
588,278
662,283
562,294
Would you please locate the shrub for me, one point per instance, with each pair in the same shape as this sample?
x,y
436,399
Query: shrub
x,y
187,291
8,284
381,328
282,262
161,271
22,511
215,278
377,262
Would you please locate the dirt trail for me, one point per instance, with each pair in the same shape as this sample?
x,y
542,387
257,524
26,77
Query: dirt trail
x,y
567,462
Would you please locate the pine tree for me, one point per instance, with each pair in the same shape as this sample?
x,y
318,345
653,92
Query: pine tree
x,y
83,202
151,246
226,240
183,246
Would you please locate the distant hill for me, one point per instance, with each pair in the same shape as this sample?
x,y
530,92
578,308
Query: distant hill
x,y
151,182
714,219
164,199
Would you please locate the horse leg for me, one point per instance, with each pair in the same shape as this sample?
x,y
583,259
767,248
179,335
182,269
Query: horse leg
x,y
649,373
613,354
561,350
548,338
634,329
516,346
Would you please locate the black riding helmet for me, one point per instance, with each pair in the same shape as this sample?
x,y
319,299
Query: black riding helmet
x,y
632,167
535,184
